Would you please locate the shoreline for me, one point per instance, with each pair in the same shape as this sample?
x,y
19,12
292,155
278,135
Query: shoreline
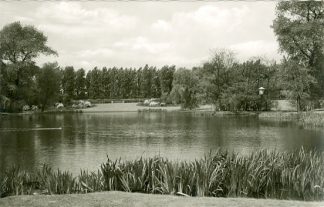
x,y
313,118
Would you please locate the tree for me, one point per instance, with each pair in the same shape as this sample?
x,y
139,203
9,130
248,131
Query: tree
x,y
22,43
80,84
299,27
19,45
297,79
146,82
48,84
216,75
242,91
95,83
185,88
156,84
68,84
166,78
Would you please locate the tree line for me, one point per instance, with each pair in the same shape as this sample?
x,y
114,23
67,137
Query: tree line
x,y
222,80
116,83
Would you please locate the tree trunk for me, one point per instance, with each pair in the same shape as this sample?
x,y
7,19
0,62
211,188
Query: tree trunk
x,y
298,103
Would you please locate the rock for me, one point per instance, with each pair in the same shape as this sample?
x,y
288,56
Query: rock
x,y
87,104
182,194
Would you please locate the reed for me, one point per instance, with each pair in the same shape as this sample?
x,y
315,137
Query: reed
x,y
262,174
311,119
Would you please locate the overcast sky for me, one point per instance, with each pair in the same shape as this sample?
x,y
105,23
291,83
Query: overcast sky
x,y
132,34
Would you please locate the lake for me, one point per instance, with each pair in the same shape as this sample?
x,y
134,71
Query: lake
x,y
82,141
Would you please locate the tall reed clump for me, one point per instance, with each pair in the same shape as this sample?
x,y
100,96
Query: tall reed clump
x,y
311,119
262,174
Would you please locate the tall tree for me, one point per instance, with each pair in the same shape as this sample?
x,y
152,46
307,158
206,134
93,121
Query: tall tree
x,y
216,75
80,84
19,45
48,84
242,92
146,82
298,80
95,83
166,78
185,88
299,29
68,84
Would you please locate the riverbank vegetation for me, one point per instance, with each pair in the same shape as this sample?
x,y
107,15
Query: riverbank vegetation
x,y
222,80
263,174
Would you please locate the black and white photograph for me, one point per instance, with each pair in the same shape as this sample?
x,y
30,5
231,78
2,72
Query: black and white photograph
x,y
159,103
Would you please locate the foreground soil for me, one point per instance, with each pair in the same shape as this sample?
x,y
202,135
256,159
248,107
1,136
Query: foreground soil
x,y
137,199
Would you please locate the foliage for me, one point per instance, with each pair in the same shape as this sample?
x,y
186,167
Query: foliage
x,y
19,45
297,79
262,174
234,86
216,75
18,85
48,84
222,80
68,84
80,84
185,89
242,92
22,43
125,83
300,33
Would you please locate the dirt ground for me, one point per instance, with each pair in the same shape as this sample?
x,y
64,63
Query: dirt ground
x,y
137,199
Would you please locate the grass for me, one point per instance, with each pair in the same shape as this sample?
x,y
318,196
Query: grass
x,y
124,199
295,175
312,119
305,118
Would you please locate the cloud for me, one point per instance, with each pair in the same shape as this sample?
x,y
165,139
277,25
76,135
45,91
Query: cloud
x,y
161,26
211,17
102,52
250,49
73,19
89,34
73,13
24,19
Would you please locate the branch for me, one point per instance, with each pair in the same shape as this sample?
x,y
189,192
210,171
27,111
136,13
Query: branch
x,y
300,48
26,55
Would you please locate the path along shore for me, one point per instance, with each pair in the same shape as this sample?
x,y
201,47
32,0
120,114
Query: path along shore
x,y
123,199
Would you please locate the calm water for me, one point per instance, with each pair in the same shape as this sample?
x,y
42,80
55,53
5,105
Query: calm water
x,y
85,139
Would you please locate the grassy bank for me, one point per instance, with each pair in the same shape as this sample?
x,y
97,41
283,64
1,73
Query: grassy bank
x,y
264,174
312,119
306,119
123,199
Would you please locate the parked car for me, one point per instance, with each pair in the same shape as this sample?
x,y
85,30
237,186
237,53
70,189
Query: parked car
x,y
26,108
154,103
34,108
146,102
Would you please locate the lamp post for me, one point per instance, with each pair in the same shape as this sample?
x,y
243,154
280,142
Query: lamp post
x,y
261,92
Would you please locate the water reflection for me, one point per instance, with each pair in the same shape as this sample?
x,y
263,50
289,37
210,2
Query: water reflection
x,y
86,139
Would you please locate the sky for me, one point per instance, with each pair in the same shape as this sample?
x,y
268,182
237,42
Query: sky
x,y
131,34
